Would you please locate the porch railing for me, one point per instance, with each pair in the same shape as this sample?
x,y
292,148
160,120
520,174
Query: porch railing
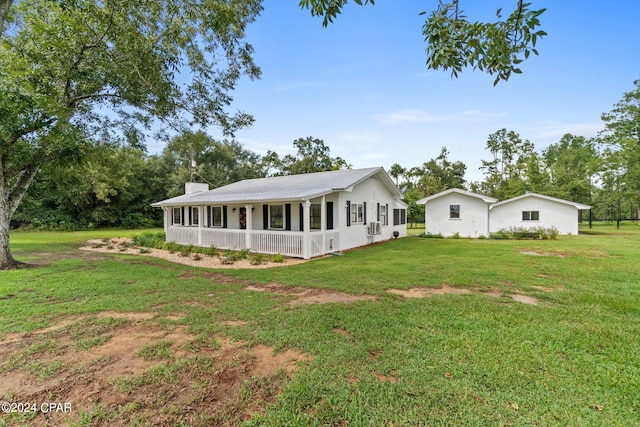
x,y
289,243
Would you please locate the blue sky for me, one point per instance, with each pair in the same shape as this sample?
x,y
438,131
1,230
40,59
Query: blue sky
x,y
361,84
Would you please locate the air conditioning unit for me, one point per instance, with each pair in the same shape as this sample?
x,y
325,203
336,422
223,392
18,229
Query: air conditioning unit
x,y
374,228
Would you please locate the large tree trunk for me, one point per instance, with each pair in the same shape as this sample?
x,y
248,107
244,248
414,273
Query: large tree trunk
x,y
6,259
10,198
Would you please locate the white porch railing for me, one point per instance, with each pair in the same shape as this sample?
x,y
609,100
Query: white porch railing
x,y
278,242
183,235
289,243
223,238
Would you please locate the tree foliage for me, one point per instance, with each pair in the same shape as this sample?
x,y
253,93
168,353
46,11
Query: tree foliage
x,y
621,143
63,63
312,155
455,43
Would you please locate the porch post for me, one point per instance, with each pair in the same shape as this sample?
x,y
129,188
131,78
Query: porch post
x,y
167,212
249,229
200,221
306,238
323,224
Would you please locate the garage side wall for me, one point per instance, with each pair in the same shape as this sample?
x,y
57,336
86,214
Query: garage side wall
x,y
473,221
563,217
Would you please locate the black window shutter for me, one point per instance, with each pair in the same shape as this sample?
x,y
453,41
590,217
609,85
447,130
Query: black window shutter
x,y
378,212
287,216
386,215
265,216
348,213
396,216
301,217
224,217
208,216
182,217
364,213
329,215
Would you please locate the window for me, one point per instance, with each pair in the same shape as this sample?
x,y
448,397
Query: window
x,y
531,215
357,212
454,211
399,216
215,216
195,212
316,220
383,214
276,216
177,216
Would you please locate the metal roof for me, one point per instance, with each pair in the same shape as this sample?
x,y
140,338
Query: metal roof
x,y
486,199
283,188
542,196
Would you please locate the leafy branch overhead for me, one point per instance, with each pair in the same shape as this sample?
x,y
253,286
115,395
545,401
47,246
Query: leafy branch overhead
x,y
455,43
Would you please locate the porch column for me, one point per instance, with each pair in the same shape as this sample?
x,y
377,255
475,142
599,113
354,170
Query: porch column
x,y
249,230
323,223
200,224
167,212
306,238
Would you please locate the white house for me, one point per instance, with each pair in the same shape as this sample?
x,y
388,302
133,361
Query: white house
x,y
297,215
457,211
474,215
536,210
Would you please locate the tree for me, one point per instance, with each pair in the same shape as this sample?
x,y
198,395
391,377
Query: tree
x,y
621,139
397,171
572,164
455,43
216,162
312,156
441,174
506,172
64,62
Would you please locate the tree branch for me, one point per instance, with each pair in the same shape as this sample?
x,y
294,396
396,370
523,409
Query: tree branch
x,y
5,5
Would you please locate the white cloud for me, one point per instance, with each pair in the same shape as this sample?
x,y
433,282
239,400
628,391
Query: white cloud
x,y
413,115
556,130
359,136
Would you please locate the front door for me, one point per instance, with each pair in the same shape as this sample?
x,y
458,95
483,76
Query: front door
x,y
243,218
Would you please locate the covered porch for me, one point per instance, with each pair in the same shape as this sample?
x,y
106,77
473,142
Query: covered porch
x,y
297,244
301,230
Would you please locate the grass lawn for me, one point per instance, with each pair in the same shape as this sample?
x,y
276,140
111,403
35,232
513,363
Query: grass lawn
x,y
478,358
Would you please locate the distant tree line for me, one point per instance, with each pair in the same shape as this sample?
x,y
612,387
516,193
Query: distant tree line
x,y
116,182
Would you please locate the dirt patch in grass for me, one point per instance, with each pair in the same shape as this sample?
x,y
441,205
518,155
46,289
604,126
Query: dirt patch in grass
x,y
138,372
525,299
556,254
123,245
305,296
427,292
587,253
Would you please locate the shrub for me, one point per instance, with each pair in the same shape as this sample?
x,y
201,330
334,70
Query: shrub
x,y
258,258
150,239
523,233
277,258
431,236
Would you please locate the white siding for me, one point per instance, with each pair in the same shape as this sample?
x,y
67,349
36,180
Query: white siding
x,y
371,192
562,216
473,221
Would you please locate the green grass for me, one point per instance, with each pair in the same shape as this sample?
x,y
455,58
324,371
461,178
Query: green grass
x,y
574,359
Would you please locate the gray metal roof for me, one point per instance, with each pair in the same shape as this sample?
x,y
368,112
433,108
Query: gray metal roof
x,y
486,199
542,196
283,188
